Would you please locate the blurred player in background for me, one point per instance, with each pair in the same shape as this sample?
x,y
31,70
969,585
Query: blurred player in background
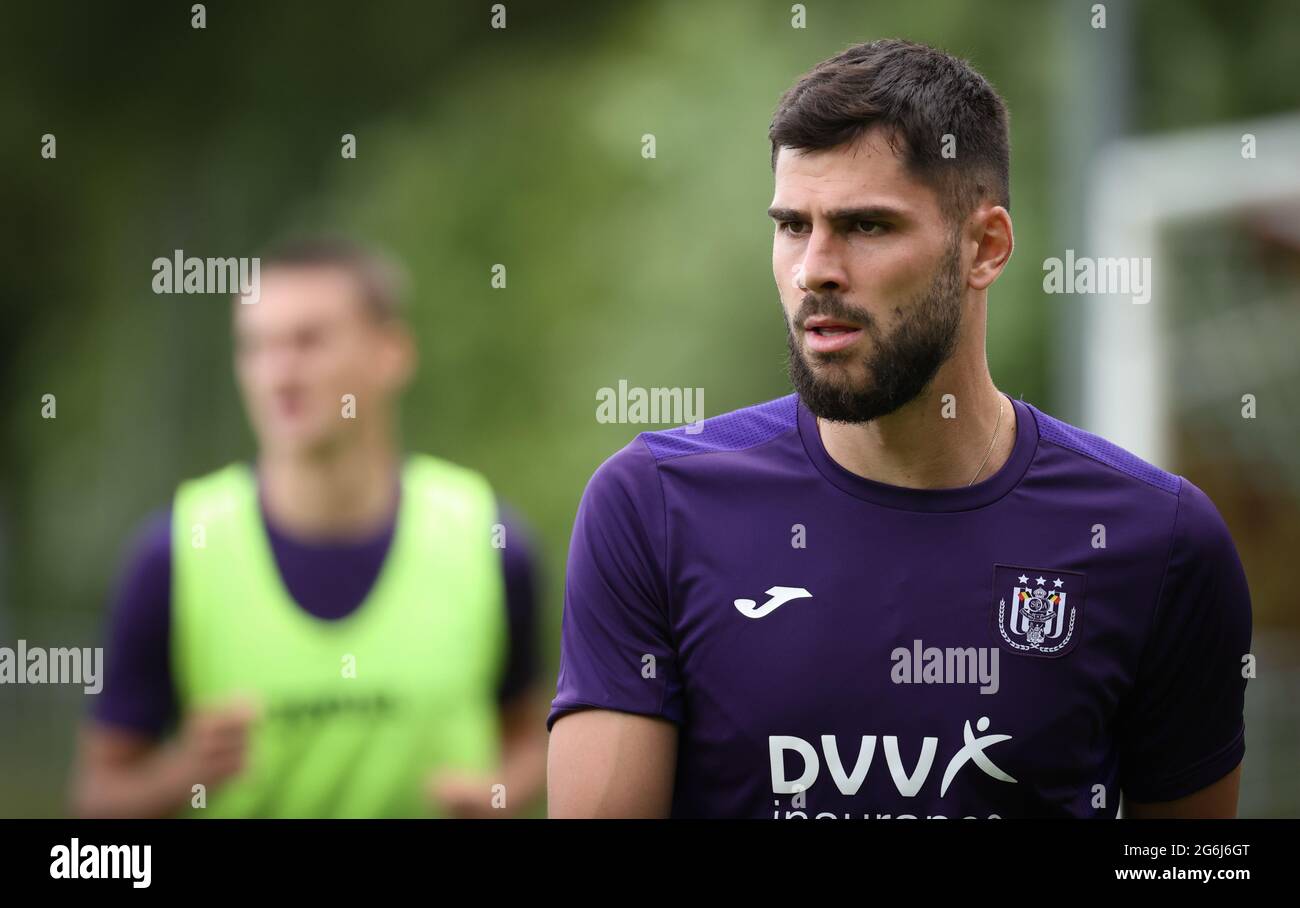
x,y
341,629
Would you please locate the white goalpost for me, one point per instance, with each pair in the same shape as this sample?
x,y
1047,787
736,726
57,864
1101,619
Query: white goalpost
x,y
1139,188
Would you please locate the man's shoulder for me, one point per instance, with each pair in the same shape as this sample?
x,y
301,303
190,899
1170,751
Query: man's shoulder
x,y
144,580
1085,452
737,430
631,475
430,467
1192,519
150,547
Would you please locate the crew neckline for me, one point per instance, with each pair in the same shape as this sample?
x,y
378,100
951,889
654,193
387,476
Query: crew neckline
x,y
963,498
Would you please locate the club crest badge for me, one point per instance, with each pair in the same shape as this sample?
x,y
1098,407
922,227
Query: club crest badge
x,y
1037,612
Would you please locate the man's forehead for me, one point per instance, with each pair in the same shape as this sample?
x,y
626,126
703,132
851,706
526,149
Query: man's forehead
x,y
871,149
291,294
865,173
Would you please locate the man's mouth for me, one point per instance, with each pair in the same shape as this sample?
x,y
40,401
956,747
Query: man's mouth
x,y
289,404
827,335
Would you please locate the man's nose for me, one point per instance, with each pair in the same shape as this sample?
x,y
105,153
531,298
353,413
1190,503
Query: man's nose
x,y
822,267
280,361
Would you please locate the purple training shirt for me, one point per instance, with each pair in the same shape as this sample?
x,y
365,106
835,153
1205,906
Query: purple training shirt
x,y
327,580
829,646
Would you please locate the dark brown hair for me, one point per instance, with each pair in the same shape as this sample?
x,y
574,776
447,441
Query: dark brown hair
x,y
917,94
380,281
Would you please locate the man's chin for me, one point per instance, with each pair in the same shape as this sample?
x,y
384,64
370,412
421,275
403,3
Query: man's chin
x,y
841,399
848,409
838,370
300,441
837,374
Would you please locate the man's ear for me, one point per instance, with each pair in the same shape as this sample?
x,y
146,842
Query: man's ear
x,y
991,226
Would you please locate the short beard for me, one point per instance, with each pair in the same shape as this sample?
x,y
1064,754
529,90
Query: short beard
x,y
900,366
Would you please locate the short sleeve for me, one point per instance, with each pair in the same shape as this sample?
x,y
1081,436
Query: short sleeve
x,y
1183,728
519,568
616,649
138,693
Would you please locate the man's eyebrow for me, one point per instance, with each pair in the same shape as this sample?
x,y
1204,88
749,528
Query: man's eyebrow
x,y
864,213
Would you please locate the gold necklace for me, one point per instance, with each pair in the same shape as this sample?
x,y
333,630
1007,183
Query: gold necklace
x,y
996,426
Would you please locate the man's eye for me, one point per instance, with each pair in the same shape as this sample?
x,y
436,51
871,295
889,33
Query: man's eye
x,y
874,228
794,228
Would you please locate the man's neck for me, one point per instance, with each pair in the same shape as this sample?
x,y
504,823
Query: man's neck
x,y
919,447
347,492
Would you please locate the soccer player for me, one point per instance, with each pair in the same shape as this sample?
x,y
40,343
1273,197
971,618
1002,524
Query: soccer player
x,y
897,592
341,629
